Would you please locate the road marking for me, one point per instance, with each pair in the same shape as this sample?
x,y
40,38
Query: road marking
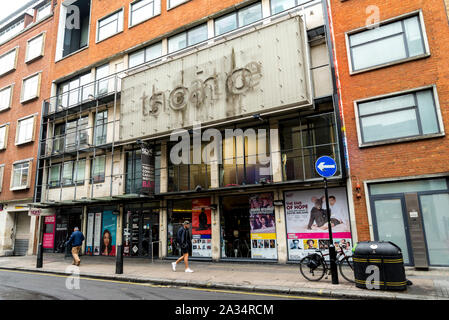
x,y
171,286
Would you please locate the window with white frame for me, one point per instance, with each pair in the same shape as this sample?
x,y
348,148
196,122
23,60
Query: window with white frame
x,y
187,38
43,11
2,170
400,116
5,98
174,3
30,87
21,175
282,5
388,43
35,48
142,10
98,169
25,130
102,84
8,61
3,136
110,25
239,18
149,53
66,174
12,30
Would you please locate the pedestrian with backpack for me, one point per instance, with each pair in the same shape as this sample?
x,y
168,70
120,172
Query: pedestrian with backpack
x,y
183,239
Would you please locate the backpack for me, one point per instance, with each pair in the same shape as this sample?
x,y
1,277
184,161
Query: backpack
x,y
314,261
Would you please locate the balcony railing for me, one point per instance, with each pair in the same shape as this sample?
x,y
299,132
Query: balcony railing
x,y
83,94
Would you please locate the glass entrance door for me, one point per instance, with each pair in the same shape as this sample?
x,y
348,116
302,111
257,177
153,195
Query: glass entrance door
x,y
141,232
435,213
389,223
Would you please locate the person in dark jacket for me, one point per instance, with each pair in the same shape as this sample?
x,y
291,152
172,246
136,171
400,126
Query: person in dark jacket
x,y
183,239
76,240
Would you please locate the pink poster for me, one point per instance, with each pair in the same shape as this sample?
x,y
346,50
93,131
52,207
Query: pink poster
x,y
49,232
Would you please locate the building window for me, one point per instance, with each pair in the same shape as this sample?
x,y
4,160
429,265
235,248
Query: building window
x,y
401,116
100,130
3,136
12,30
8,61
35,48
187,38
174,3
6,97
66,174
102,79
2,170
239,18
54,176
146,54
392,42
74,91
25,130
76,134
30,87
75,31
245,158
21,175
282,5
305,139
142,10
98,168
110,25
134,171
43,11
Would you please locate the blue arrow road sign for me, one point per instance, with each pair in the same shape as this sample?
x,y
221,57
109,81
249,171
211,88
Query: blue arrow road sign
x,y
326,166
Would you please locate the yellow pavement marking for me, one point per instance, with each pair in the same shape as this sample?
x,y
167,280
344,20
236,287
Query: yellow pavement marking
x,y
167,286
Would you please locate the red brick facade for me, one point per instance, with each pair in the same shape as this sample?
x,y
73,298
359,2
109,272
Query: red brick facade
x,y
401,159
18,110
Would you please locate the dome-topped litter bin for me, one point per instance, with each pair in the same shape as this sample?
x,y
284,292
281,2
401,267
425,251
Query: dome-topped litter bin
x,y
379,265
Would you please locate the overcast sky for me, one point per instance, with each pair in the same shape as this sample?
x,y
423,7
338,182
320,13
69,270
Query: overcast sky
x,y
9,6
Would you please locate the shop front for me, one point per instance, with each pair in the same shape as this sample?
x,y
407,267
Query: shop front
x,y
66,220
198,212
307,225
248,227
101,234
141,230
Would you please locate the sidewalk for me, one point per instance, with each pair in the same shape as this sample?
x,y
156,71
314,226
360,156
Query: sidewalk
x,y
273,278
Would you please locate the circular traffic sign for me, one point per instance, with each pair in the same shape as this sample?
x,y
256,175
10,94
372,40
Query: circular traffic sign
x,y
326,166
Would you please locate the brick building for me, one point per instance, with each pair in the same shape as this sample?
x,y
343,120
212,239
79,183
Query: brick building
x,y
394,90
25,50
126,74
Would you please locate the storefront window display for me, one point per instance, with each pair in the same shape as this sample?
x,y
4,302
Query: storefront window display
x,y
307,226
199,213
249,227
66,220
101,235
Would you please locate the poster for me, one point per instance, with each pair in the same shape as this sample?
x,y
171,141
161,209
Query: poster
x,y
97,233
108,234
147,162
49,233
90,233
307,226
201,228
263,226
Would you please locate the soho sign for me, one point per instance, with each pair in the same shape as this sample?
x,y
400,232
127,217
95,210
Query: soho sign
x,y
237,82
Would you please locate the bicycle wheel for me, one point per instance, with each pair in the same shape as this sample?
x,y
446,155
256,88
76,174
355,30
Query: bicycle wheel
x,y
311,274
346,267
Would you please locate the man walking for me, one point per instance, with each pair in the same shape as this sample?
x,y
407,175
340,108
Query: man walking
x,y
183,238
76,239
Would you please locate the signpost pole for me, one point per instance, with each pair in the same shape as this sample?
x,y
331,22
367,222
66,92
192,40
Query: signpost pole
x,y
332,253
40,248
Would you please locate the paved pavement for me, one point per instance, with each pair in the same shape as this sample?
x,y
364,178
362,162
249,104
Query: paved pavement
x,y
254,277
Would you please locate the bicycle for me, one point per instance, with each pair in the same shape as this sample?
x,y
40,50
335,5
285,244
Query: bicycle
x,y
313,267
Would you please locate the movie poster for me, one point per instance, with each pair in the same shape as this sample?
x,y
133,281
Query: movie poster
x,y
307,226
263,226
201,228
90,233
108,234
97,233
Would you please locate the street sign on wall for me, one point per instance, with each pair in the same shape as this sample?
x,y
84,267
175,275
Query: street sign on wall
x,y
326,166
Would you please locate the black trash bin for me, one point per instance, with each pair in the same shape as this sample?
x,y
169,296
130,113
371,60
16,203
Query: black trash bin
x,y
384,256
